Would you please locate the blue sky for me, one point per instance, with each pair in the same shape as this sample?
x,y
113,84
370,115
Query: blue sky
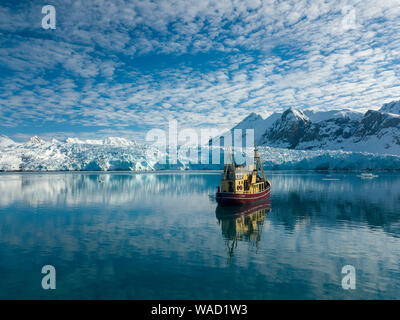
x,y
120,68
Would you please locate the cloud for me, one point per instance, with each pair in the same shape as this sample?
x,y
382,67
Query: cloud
x,y
119,65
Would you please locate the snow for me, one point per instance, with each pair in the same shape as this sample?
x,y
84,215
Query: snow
x,y
268,122
110,141
348,130
392,107
288,118
295,114
75,140
35,140
73,155
6,141
122,154
289,159
255,122
317,116
337,139
285,159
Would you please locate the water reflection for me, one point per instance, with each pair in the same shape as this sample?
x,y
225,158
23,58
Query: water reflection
x,y
111,189
242,223
106,232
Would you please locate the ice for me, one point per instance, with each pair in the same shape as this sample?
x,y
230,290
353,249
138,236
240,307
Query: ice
x,y
317,116
286,159
392,107
113,154
6,141
73,155
289,159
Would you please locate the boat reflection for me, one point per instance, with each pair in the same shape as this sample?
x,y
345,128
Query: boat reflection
x,y
242,223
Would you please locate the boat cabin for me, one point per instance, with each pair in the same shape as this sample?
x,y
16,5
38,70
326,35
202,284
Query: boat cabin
x,y
244,179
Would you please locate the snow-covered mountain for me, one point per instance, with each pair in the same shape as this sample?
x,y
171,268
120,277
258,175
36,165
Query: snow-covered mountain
x,y
255,122
109,141
295,139
391,107
317,116
286,131
6,141
373,132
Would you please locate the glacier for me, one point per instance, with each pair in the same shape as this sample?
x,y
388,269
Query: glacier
x,y
116,154
72,155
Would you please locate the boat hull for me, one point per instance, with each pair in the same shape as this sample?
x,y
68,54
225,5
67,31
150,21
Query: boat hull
x,y
230,198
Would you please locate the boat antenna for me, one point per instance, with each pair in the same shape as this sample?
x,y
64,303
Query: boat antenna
x,y
225,167
233,164
258,161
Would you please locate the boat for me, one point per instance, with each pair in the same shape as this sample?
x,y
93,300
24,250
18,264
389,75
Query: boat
x,y
241,184
367,176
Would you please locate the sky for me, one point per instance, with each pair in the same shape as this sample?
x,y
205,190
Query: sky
x,y
121,68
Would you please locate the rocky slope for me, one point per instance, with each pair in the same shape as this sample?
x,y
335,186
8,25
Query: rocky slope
x,y
374,131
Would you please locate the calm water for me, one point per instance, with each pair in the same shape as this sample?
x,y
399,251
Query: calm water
x,y
161,236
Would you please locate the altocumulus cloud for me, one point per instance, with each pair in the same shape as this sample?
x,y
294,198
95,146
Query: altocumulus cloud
x,y
122,67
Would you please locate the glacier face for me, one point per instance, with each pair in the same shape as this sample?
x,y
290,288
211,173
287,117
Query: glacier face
x,y
113,154
289,159
72,155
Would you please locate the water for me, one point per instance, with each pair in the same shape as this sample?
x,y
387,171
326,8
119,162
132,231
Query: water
x,y
159,236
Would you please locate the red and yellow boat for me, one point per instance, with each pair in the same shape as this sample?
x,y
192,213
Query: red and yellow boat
x,y
243,184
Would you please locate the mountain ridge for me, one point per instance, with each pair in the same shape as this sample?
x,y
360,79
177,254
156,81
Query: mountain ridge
x,y
375,131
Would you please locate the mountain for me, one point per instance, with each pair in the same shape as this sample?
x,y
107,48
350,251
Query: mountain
x,y
392,107
6,141
316,116
109,141
260,125
255,122
287,131
35,140
373,132
295,139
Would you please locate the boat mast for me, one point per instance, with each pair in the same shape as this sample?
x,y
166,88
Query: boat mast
x,y
232,163
258,161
